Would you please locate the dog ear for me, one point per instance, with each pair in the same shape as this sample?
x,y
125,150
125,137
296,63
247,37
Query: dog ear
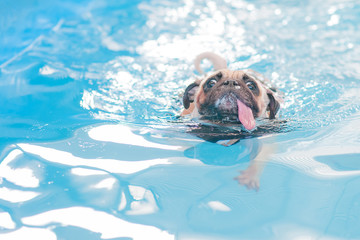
x,y
189,94
273,106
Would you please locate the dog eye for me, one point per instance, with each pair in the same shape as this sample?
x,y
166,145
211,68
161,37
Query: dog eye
x,y
211,83
251,85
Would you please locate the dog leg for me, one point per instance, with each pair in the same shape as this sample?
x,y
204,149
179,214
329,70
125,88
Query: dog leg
x,y
250,177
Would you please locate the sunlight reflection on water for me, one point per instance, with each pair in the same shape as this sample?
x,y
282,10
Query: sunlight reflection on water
x,y
143,87
142,175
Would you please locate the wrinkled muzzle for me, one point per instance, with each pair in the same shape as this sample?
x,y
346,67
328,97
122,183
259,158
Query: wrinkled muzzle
x,y
232,107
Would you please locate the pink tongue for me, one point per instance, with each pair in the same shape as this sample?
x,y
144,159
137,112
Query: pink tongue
x,y
245,116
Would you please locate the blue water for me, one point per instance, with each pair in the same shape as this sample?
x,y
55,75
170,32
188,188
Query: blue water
x,y
91,146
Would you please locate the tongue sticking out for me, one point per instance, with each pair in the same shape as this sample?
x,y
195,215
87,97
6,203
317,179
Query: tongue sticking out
x,y
245,116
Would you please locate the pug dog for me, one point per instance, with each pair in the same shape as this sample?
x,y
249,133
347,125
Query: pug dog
x,y
233,97
230,96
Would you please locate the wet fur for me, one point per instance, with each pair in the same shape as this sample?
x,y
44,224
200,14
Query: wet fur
x,y
201,102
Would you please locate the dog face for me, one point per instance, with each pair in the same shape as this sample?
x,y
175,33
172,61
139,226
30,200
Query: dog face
x,y
230,96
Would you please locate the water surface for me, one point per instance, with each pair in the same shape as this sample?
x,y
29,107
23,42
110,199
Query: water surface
x,y
91,146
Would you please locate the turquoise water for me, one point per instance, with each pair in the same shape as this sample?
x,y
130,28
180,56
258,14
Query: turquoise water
x,y
91,146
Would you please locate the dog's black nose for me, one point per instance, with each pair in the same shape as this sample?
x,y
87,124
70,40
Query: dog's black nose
x,y
231,83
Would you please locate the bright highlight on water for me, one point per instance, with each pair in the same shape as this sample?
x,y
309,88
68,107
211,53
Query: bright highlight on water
x,y
92,145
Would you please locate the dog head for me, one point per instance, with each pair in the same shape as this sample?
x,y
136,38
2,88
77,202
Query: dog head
x,y
231,96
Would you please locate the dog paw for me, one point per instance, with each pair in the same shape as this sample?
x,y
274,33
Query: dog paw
x,y
249,178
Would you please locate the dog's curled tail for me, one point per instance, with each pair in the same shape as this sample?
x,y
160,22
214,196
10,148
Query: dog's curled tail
x,y
217,61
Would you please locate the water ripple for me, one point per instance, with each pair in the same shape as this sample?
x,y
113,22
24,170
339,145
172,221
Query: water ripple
x,y
319,89
128,63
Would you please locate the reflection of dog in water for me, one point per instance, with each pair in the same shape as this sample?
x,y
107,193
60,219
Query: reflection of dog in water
x,y
228,99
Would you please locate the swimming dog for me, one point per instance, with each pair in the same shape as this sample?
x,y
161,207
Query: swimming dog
x,y
237,96
232,97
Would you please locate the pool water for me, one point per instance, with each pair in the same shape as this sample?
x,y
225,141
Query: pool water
x,y
91,145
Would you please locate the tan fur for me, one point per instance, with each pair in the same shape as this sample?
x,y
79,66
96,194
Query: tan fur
x,y
189,110
217,61
262,99
251,176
